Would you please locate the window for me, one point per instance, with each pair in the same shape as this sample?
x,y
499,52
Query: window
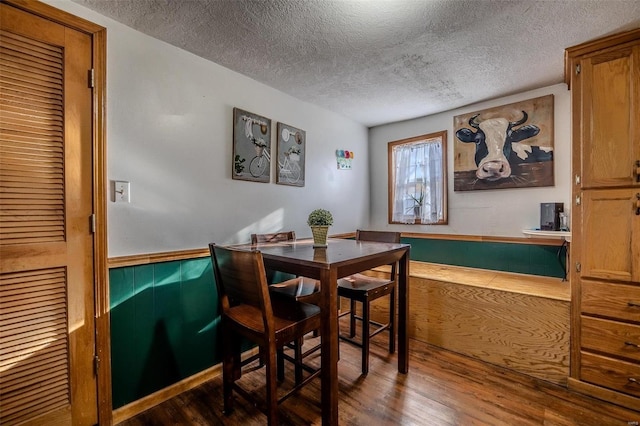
x,y
418,180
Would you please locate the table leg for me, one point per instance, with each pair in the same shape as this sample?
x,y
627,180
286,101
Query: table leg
x,y
329,329
403,314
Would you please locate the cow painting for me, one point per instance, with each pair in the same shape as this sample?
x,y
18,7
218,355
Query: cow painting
x,y
507,152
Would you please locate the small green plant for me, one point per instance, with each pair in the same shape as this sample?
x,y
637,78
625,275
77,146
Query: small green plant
x,y
418,199
320,217
237,164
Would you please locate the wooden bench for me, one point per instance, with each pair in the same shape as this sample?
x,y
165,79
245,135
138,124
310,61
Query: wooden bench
x,y
517,321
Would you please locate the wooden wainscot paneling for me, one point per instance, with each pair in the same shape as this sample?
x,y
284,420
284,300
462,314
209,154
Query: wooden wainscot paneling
x,y
516,321
485,238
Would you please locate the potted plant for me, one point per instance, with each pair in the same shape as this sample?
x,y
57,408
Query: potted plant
x,y
418,200
319,220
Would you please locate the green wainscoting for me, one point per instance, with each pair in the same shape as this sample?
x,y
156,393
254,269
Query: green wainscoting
x,y
164,326
164,316
509,257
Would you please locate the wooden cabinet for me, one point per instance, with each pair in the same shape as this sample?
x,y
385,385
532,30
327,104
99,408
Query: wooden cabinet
x,y
612,300
615,374
610,234
604,78
610,130
614,338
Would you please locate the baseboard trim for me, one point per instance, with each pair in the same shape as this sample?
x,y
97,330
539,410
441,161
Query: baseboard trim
x,y
136,407
608,395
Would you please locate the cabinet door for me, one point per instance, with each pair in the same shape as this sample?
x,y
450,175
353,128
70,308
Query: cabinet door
x,y
610,131
611,234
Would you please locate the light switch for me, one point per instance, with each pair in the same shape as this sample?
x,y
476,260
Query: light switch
x,y
122,191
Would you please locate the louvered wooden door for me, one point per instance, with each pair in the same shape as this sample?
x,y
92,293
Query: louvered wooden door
x,y
47,330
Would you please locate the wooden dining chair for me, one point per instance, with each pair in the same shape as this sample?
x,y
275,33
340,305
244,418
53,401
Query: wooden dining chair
x,y
301,289
365,289
249,312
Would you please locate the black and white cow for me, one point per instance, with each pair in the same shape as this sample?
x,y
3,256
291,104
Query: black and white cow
x,y
498,145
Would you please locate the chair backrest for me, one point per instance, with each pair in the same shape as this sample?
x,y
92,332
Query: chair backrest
x,y
378,236
240,279
272,238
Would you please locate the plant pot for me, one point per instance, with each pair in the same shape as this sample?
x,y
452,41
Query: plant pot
x,y
319,235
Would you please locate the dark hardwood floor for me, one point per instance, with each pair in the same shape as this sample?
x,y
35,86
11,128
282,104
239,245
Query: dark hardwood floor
x,y
442,388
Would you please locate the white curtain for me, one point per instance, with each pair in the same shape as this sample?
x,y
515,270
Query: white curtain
x,y
418,171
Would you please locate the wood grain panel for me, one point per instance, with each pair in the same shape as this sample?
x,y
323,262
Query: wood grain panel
x,y
474,312
611,337
31,141
34,346
609,75
145,259
526,333
608,120
609,229
616,301
619,375
533,285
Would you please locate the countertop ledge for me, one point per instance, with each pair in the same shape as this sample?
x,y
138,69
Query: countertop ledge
x,y
533,285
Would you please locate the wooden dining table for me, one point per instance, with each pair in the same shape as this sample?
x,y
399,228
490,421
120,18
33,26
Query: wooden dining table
x,y
341,258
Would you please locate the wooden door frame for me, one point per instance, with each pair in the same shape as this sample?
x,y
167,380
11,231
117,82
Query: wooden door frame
x,y
98,36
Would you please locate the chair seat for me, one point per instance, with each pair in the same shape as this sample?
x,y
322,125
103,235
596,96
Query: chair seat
x,y
290,319
302,289
360,286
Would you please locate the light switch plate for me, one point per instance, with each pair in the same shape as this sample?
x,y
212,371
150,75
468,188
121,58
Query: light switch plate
x,y
122,192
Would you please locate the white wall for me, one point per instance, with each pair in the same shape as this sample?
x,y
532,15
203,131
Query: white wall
x,y
502,212
169,133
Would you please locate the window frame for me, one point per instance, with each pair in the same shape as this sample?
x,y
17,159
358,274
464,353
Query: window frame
x,y
442,135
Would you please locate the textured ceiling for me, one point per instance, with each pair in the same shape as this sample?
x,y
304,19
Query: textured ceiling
x,y
379,61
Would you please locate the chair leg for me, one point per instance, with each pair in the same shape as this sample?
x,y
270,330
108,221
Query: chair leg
x,y
261,362
280,365
272,395
230,367
365,337
352,319
298,357
392,321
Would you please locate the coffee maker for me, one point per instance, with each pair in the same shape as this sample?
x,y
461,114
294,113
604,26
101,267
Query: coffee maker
x,y
550,216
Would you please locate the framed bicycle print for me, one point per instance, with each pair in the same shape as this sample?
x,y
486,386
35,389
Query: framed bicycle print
x,y
251,147
291,155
